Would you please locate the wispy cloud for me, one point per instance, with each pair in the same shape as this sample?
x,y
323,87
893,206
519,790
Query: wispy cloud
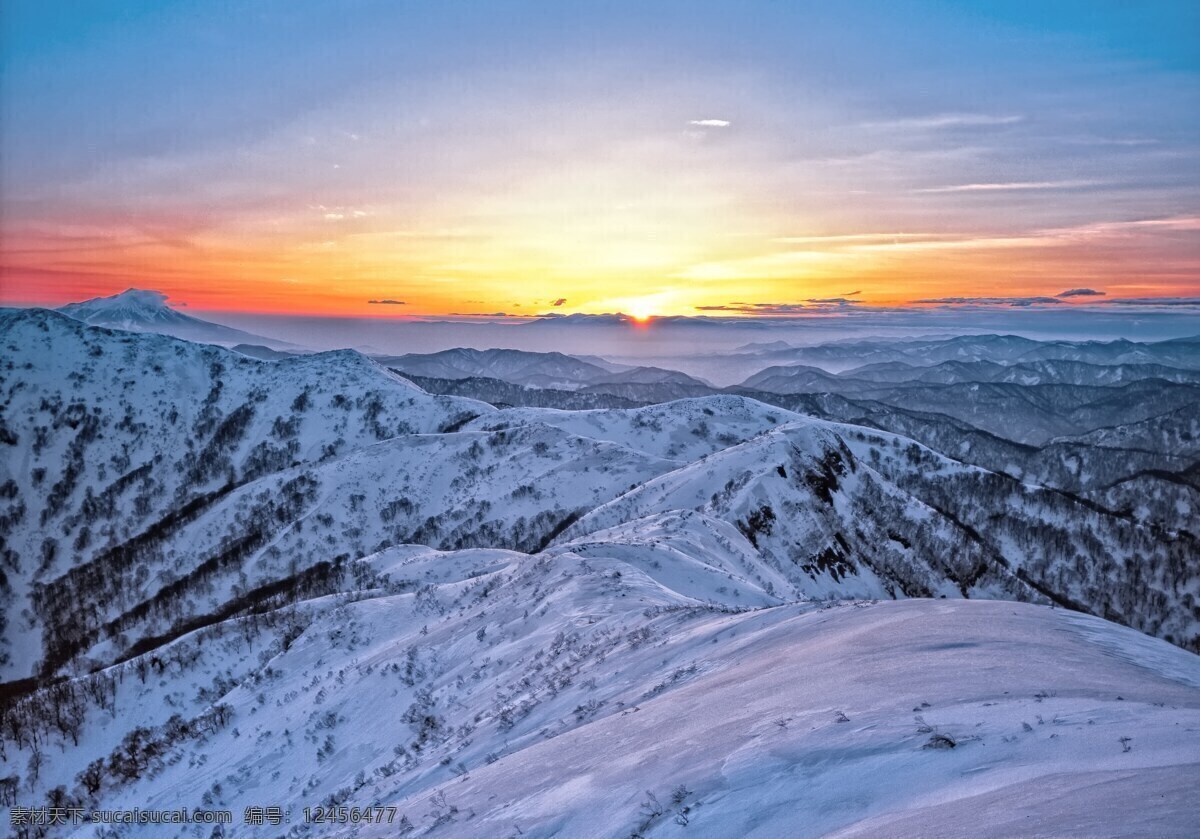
x,y
850,238
758,308
560,301
388,302
710,123
1012,185
447,234
853,242
958,120
1153,301
812,308
1080,292
1006,302
1046,237
1119,228
1129,142
1031,240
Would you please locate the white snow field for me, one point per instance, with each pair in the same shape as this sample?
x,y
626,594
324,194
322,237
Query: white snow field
x,y
557,695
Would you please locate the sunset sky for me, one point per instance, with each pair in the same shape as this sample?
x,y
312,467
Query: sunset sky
x,y
651,157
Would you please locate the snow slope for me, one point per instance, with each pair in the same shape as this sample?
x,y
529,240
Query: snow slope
x,y
811,723
487,693
109,435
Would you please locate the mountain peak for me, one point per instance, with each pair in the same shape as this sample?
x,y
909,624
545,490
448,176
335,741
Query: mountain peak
x,y
141,296
131,309
146,310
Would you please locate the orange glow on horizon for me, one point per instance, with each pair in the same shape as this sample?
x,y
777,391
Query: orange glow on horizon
x,y
366,273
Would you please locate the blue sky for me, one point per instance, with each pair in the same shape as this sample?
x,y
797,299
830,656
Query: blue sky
x,y
303,155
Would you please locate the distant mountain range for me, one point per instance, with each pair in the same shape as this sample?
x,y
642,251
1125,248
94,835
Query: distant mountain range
x,y
1007,387
841,356
805,379
536,369
1029,402
530,369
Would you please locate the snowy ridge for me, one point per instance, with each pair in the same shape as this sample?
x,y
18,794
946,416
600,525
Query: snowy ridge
x,y
110,433
828,524
566,695
1175,431
888,517
682,431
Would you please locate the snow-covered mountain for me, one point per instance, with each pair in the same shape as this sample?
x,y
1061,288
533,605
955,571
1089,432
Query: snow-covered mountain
x,y
142,310
801,378
546,370
303,582
650,384
1176,431
841,510
115,439
515,366
838,356
504,394
853,354
805,379
262,353
1036,414
1078,464
1028,403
